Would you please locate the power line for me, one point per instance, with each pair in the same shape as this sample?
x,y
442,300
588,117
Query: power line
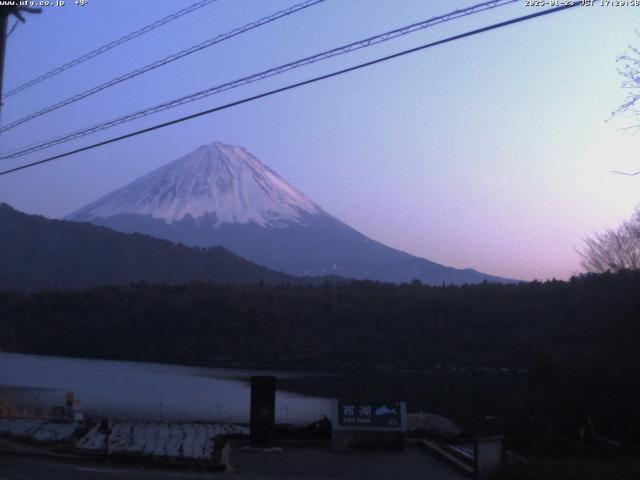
x,y
295,85
164,61
109,46
367,42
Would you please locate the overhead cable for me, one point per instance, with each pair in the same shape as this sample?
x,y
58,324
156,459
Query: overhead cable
x,y
162,62
367,42
293,86
108,46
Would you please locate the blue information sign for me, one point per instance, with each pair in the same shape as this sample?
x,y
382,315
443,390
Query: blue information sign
x,y
370,414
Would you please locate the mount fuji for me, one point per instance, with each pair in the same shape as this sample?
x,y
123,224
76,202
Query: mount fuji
x,y
221,195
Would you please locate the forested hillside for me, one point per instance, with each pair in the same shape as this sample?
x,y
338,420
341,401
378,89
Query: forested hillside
x,y
37,253
578,340
357,322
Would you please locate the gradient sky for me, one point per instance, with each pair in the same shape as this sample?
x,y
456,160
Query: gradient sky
x,y
490,152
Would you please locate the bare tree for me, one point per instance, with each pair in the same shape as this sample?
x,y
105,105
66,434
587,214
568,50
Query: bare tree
x,y
614,250
630,72
619,249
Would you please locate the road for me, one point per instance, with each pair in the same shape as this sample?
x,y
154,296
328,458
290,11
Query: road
x,y
33,468
292,463
321,464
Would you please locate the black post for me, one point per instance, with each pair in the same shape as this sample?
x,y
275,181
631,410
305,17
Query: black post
x,y
5,11
105,429
4,22
263,410
68,401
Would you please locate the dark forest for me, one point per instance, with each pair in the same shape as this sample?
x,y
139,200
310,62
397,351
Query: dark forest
x,y
576,341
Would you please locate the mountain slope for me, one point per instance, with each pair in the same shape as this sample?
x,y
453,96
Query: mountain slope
x,y
38,253
222,195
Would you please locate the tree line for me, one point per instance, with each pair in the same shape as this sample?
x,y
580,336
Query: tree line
x,y
577,339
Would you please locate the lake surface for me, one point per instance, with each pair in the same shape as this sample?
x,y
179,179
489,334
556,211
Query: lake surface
x,y
150,391
147,391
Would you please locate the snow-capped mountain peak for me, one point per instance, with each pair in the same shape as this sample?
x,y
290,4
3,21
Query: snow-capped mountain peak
x,y
221,195
217,179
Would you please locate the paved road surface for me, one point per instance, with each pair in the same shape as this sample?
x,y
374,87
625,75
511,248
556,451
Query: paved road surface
x,y
292,463
32,468
320,464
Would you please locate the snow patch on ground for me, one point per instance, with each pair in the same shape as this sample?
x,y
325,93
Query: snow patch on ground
x,y
189,441
40,430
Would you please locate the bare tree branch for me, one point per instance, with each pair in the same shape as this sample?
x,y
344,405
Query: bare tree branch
x,y
630,72
614,250
625,173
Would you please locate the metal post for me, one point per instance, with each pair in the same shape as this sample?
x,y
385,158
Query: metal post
x,y
263,410
4,22
5,11
105,429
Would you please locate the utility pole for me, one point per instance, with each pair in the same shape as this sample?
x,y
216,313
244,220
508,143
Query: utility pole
x,y
5,12
4,22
